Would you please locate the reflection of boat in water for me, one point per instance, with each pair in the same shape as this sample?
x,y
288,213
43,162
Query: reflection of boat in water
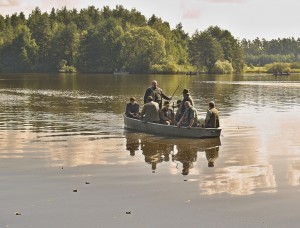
x,y
157,150
169,130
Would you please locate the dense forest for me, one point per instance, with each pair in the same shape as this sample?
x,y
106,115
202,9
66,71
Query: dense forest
x,y
106,40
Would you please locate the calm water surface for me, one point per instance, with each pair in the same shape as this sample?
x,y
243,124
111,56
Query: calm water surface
x,y
73,120
53,121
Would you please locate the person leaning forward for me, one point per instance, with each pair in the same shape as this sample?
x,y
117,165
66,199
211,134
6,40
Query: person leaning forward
x,y
150,112
186,97
157,94
190,116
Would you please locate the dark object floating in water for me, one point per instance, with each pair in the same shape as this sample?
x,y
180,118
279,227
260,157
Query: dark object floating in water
x,y
87,182
74,190
128,212
17,213
191,73
281,73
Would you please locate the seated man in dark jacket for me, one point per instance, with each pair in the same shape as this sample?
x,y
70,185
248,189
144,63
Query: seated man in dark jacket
x,y
132,109
166,114
212,116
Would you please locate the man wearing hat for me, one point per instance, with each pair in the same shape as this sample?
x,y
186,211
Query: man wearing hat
x,y
166,114
150,112
190,117
156,93
186,97
212,116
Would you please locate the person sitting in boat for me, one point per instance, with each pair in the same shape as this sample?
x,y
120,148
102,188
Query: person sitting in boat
x,y
186,97
166,114
190,116
177,115
150,112
212,116
156,93
132,109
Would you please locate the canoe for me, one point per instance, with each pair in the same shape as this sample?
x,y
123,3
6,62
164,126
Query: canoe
x,y
121,73
170,130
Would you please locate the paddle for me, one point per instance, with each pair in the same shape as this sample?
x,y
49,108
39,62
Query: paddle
x,y
174,92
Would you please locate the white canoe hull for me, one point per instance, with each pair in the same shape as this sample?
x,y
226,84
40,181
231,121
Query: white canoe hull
x,y
169,130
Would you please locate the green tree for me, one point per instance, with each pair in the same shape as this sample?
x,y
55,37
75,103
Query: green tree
x,y
204,51
141,48
100,48
64,47
20,54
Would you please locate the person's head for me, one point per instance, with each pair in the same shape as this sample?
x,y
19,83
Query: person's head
x,y
178,103
149,98
167,104
185,91
211,164
132,100
211,104
187,104
154,84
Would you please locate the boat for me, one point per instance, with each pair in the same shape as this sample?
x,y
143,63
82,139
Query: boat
x,y
170,130
121,72
191,73
281,73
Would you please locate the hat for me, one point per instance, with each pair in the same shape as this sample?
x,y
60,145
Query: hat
x,y
149,98
186,91
132,99
211,103
166,102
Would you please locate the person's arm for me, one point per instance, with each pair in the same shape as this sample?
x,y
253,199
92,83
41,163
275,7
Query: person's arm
x,y
147,93
127,112
207,117
136,108
180,121
143,111
164,96
191,118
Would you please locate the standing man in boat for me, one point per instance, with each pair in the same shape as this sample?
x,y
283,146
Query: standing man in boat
x,y
212,116
190,116
150,112
157,94
186,97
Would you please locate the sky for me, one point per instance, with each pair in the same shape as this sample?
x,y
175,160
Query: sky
x,y
269,19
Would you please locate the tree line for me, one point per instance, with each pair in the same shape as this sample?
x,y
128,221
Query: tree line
x,y
105,40
260,52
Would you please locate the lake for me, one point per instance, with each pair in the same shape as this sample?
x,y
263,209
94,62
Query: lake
x,y
64,132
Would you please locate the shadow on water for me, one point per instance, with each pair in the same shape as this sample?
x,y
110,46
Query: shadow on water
x,y
160,149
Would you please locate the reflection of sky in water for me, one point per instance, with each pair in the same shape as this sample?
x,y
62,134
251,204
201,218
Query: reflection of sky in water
x,y
81,125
